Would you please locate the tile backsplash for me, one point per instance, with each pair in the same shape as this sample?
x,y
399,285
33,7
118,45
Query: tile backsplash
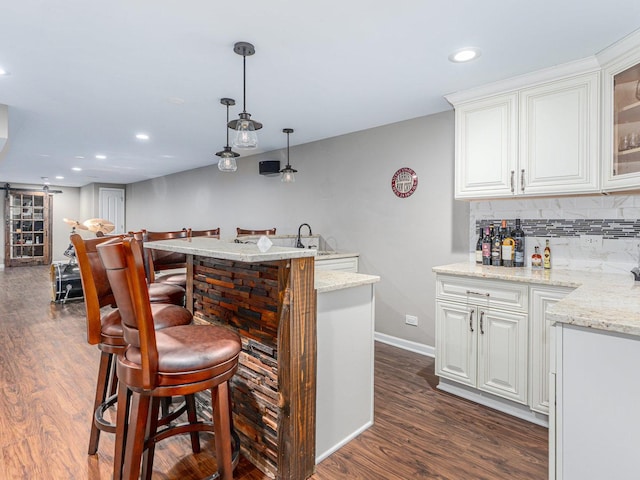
x,y
563,220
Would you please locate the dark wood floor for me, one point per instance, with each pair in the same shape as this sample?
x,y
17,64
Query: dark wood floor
x,y
47,375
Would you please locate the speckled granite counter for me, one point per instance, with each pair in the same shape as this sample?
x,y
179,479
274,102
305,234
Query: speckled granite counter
x,y
238,252
602,301
329,280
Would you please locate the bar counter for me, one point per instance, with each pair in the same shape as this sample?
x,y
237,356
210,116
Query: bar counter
x,y
270,300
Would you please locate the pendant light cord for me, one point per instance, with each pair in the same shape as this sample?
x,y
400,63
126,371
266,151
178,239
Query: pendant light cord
x,y
288,150
244,84
227,125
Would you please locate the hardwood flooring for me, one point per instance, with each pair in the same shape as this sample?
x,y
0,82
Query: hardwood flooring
x,y
47,382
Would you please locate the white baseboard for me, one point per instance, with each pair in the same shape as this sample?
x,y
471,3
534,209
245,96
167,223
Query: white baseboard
x,y
488,400
416,347
343,442
1,266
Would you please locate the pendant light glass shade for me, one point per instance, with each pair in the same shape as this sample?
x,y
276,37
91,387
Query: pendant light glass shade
x,y
227,162
288,173
246,137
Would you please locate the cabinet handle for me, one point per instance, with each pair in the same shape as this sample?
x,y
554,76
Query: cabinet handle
x,y
522,180
513,173
481,318
471,292
471,321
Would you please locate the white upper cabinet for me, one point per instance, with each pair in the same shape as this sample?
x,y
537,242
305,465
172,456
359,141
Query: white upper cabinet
x,y
486,147
558,151
538,140
621,117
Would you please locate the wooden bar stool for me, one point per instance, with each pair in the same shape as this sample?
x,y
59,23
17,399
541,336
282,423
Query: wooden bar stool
x,y
213,233
106,330
160,260
243,231
178,360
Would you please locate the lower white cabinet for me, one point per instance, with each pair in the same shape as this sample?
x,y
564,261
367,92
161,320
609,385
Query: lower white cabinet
x,y
480,345
493,336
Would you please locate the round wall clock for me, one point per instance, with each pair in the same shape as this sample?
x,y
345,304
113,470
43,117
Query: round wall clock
x,y
404,182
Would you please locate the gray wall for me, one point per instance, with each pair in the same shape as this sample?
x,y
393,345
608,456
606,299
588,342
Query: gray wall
x,y
343,189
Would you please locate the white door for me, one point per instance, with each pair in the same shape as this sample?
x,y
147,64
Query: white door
x,y
486,147
502,354
112,207
456,342
559,137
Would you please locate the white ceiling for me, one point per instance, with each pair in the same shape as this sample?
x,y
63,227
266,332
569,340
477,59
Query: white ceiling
x,y
87,75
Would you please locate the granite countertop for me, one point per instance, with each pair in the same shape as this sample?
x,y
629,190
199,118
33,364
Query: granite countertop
x,y
330,255
603,301
330,280
239,252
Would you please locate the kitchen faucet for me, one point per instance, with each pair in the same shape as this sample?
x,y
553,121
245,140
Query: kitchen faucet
x,y
298,242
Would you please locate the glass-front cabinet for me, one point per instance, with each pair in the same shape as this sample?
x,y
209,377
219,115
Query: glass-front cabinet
x,y
621,128
27,240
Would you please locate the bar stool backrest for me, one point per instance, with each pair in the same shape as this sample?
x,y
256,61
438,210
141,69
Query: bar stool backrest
x,y
242,231
125,269
95,284
214,233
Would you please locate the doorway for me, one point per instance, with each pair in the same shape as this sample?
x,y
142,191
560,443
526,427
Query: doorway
x,y
111,207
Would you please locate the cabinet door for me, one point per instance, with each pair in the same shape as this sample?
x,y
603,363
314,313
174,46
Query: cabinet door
x,y
456,342
502,354
621,124
539,364
558,141
486,147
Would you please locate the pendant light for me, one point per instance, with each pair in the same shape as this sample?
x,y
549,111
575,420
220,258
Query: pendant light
x,y
227,162
288,173
245,128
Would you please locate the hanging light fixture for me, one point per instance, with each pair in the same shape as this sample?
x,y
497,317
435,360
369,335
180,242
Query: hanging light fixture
x,y
288,173
227,162
245,128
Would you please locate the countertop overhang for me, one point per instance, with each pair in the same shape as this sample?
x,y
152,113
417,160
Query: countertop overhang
x,y
330,280
223,250
603,301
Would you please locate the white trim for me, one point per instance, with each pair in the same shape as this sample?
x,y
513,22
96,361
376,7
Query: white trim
x,y
557,72
421,348
620,48
1,266
342,443
488,400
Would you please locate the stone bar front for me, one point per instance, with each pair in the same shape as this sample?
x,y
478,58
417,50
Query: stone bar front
x,y
270,300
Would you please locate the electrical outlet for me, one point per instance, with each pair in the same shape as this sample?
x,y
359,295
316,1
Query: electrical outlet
x,y
411,320
593,242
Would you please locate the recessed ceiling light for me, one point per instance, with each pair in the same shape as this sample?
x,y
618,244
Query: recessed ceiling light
x,y
79,156
101,157
3,72
142,136
76,169
465,55
59,177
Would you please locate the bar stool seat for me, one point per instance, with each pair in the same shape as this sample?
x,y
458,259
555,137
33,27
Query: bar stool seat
x,y
166,293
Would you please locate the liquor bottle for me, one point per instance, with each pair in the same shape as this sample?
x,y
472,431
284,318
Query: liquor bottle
x,y
518,237
486,247
496,249
536,258
508,248
479,247
546,259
